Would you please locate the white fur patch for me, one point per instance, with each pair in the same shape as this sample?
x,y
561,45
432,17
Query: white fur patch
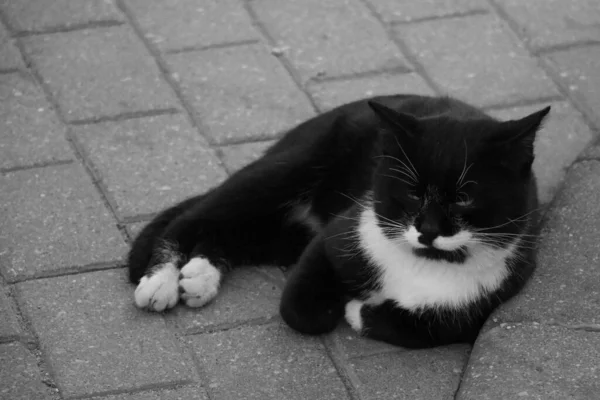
x,y
302,213
158,291
414,282
353,317
454,242
412,236
199,282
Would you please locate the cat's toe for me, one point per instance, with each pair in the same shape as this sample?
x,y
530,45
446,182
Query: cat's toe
x,y
353,317
159,291
199,282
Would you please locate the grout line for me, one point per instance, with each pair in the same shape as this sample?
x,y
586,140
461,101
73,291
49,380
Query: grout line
x,y
68,28
400,70
566,46
254,139
227,326
215,46
345,372
125,116
54,163
525,102
457,14
139,389
6,71
68,271
138,218
462,373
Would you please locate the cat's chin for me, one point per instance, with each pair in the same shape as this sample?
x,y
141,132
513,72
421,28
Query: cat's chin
x,y
458,256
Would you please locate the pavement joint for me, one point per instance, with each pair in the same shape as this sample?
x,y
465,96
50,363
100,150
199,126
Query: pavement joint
x,y
344,370
400,70
227,326
525,102
459,14
53,163
6,71
70,270
237,43
67,28
567,46
140,389
125,116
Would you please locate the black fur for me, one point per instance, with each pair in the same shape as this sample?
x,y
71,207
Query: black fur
x,y
334,163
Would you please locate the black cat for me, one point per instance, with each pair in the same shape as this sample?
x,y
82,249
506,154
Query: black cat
x,y
409,215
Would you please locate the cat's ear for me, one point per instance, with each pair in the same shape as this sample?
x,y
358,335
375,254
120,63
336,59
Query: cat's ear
x,y
521,131
400,121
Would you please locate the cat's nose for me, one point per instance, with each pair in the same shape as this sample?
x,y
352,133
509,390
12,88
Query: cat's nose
x,y
427,237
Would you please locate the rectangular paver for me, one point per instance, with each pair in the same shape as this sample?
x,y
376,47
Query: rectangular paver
x,y
99,72
329,37
477,59
266,362
408,10
184,393
30,131
239,155
54,218
9,328
150,163
40,15
177,24
562,138
533,361
10,57
94,337
240,92
20,378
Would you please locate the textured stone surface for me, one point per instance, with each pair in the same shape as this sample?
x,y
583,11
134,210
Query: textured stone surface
x,y
96,339
266,362
239,155
580,69
408,10
247,294
476,59
564,287
185,393
53,218
99,72
416,375
592,151
555,22
240,92
562,138
9,328
530,361
328,37
38,15
20,378
331,94
10,57
150,163
353,345
176,24
30,130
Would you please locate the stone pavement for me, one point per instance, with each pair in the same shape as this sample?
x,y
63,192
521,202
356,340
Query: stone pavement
x,y
112,110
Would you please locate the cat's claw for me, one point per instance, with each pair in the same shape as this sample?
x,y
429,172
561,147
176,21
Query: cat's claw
x,y
158,292
353,317
198,282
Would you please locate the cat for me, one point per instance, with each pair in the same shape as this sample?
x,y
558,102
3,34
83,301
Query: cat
x,y
412,217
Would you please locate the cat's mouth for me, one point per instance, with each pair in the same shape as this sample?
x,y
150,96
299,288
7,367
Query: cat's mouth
x,y
457,256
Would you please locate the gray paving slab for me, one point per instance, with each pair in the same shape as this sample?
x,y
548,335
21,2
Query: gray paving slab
x,y
10,57
266,362
20,377
239,92
99,72
239,155
329,37
10,328
547,23
579,68
331,94
409,10
533,361
477,59
411,375
40,15
564,289
150,163
29,128
563,137
96,340
184,393
179,24
353,345
591,152
54,219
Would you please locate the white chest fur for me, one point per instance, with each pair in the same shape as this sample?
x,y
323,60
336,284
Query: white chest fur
x,y
415,282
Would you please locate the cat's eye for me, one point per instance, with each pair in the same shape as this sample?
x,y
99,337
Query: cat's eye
x,y
464,203
413,197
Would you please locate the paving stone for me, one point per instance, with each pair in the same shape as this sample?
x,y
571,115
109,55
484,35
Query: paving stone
x,y
564,287
185,393
562,138
580,69
10,57
331,94
240,93
266,362
40,15
247,294
99,72
408,10
239,155
20,378
353,345
135,228
532,361
30,130
10,328
54,218
329,37
176,24
592,151
94,337
547,23
476,59
429,374
150,163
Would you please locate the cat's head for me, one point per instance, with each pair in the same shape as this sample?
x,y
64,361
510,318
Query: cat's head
x,y
444,185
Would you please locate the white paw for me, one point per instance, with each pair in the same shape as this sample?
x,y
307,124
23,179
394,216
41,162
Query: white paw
x,y
158,291
199,282
353,317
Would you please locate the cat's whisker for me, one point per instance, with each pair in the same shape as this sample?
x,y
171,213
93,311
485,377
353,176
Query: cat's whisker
x,y
400,179
405,173
522,218
405,156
